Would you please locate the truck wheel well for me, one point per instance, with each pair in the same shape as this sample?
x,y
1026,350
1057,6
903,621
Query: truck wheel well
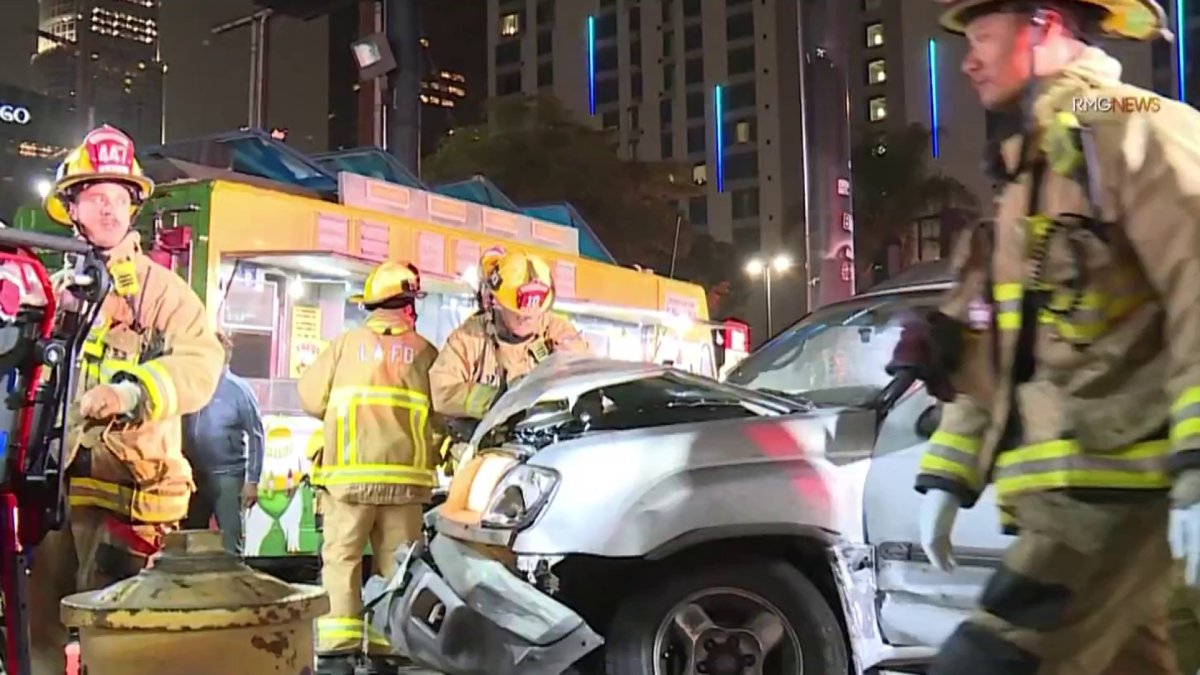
x,y
593,585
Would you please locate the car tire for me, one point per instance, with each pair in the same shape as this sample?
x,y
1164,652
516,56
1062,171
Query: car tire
x,y
630,642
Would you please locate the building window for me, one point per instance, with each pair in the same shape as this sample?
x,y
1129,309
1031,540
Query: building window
x,y
695,105
872,5
635,19
668,44
510,24
664,112
509,52
508,84
606,26
610,120
739,96
741,60
877,72
747,240
743,131
635,86
545,12
698,210
739,26
693,38
695,140
668,144
741,166
691,8
744,202
875,35
545,74
545,42
606,58
668,78
635,53
877,110
666,12
693,70
606,92
700,173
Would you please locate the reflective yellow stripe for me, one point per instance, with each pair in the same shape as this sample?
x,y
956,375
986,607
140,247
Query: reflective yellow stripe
x,y
479,399
130,502
387,474
346,403
1063,464
1007,292
1185,417
952,455
162,400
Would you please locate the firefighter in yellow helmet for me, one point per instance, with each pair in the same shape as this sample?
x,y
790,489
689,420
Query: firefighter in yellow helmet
x,y
150,358
494,348
1080,400
376,467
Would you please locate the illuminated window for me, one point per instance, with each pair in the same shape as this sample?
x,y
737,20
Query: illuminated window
x,y
877,109
510,24
743,132
700,174
875,35
877,71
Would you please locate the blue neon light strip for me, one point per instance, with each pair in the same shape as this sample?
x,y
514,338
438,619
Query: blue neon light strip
x,y
1180,50
719,124
933,96
591,63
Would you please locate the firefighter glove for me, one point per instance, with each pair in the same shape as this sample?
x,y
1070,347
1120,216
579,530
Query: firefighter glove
x,y
930,346
939,509
110,400
1184,532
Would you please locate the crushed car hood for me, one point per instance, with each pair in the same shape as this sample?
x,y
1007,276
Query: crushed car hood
x,y
562,376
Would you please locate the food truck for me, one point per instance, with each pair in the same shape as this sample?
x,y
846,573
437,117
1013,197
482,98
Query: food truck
x,y
276,260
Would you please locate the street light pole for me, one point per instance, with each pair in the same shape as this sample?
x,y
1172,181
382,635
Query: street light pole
x,y
767,277
779,263
260,36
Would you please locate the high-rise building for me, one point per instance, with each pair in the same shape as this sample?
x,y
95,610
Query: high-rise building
x,y
1178,60
104,55
716,85
904,69
35,133
453,67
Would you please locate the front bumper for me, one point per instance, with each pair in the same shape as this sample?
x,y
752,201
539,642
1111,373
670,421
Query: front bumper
x,y
462,613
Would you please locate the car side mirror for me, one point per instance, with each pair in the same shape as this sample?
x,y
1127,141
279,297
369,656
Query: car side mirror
x,y
928,420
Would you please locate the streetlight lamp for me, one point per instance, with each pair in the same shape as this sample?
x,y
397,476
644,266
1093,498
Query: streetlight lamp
x,y
778,264
42,187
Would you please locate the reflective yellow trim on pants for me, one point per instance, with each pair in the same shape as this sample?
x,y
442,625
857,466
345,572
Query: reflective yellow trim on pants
x,y
133,503
954,456
341,635
1055,465
346,403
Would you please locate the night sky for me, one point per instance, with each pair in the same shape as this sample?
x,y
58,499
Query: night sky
x,y
208,82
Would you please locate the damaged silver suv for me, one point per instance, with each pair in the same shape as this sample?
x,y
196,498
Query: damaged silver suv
x,y
629,519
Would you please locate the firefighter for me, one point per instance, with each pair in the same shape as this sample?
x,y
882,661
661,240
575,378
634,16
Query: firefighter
x,y
376,467
150,358
495,347
1080,401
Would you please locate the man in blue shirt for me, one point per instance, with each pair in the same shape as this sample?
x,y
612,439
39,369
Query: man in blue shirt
x,y
224,443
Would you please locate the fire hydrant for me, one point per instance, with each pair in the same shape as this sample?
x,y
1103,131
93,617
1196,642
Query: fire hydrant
x,y
197,609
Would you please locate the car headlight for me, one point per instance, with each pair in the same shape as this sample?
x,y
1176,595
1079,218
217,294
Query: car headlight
x,y
519,496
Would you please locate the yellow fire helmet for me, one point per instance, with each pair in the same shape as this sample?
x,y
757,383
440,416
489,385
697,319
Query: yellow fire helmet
x,y
487,261
1125,19
106,154
521,282
391,279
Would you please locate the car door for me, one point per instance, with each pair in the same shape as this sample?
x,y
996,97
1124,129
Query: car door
x,y
918,604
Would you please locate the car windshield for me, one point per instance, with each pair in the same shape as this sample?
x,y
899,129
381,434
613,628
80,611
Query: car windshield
x,y
836,355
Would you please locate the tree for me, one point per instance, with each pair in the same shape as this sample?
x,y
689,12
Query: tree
x,y
715,265
537,152
894,187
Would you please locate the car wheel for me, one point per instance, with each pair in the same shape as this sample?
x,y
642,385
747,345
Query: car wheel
x,y
755,617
